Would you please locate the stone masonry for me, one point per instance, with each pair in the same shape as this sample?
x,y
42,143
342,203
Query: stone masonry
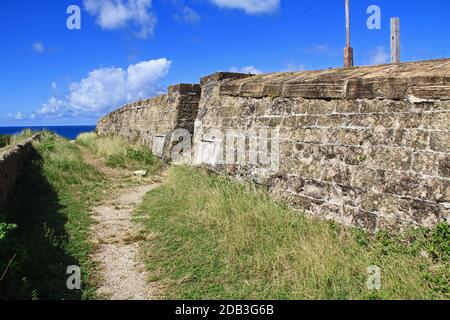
x,y
364,146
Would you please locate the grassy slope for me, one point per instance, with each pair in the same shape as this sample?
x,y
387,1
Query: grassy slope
x,y
213,238
51,210
119,153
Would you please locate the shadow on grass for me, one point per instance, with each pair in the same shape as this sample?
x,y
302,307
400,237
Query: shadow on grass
x,y
38,270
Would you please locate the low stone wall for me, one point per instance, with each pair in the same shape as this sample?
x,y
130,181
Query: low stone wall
x,y
362,146
12,160
152,121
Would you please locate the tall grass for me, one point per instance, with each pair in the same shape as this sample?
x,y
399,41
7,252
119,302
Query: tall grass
x,y
4,140
211,238
118,152
7,140
20,137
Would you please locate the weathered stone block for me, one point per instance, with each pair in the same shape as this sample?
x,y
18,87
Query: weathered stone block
x,y
332,121
440,141
372,106
348,106
426,163
416,139
322,107
390,159
444,166
354,137
362,177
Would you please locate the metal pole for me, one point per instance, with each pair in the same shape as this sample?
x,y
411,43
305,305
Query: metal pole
x,y
395,40
348,51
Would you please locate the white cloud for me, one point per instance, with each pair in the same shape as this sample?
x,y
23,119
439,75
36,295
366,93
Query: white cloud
x,y
186,14
106,89
250,6
38,47
293,67
53,108
119,14
247,69
54,86
379,55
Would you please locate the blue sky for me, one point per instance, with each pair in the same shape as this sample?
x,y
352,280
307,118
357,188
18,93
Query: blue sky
x,y
127,49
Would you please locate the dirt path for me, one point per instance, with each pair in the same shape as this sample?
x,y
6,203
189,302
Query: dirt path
x,y
120,274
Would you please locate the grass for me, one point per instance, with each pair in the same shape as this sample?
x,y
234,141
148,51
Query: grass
x,y
4,140
207,236
19,137
119,153
7,140
49,223
213,238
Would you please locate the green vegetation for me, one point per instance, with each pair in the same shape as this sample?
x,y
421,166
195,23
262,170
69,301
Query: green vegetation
x,y
24,134
206,236
119,153
10,140
212,238
4,140
45,226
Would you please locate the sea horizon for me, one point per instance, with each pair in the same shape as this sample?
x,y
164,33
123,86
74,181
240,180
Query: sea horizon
x,y
67,131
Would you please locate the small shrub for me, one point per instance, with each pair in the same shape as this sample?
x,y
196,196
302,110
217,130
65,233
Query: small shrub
x,y
4,140
117,161
5,228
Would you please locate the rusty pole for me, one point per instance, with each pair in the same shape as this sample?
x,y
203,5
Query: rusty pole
x,y
348,51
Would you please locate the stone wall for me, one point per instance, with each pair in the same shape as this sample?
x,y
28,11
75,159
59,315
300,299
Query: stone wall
x,y
363,146
12,160
152,121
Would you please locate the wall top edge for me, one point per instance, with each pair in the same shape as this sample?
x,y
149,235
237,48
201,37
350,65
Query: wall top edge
x,y
219,76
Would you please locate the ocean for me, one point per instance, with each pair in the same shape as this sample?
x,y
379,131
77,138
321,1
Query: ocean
x,y
69,132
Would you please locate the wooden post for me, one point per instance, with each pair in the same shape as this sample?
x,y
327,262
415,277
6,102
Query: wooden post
x,y
395,40
348,51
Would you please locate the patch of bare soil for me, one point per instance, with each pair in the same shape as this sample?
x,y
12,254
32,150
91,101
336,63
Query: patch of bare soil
x,y
120,273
